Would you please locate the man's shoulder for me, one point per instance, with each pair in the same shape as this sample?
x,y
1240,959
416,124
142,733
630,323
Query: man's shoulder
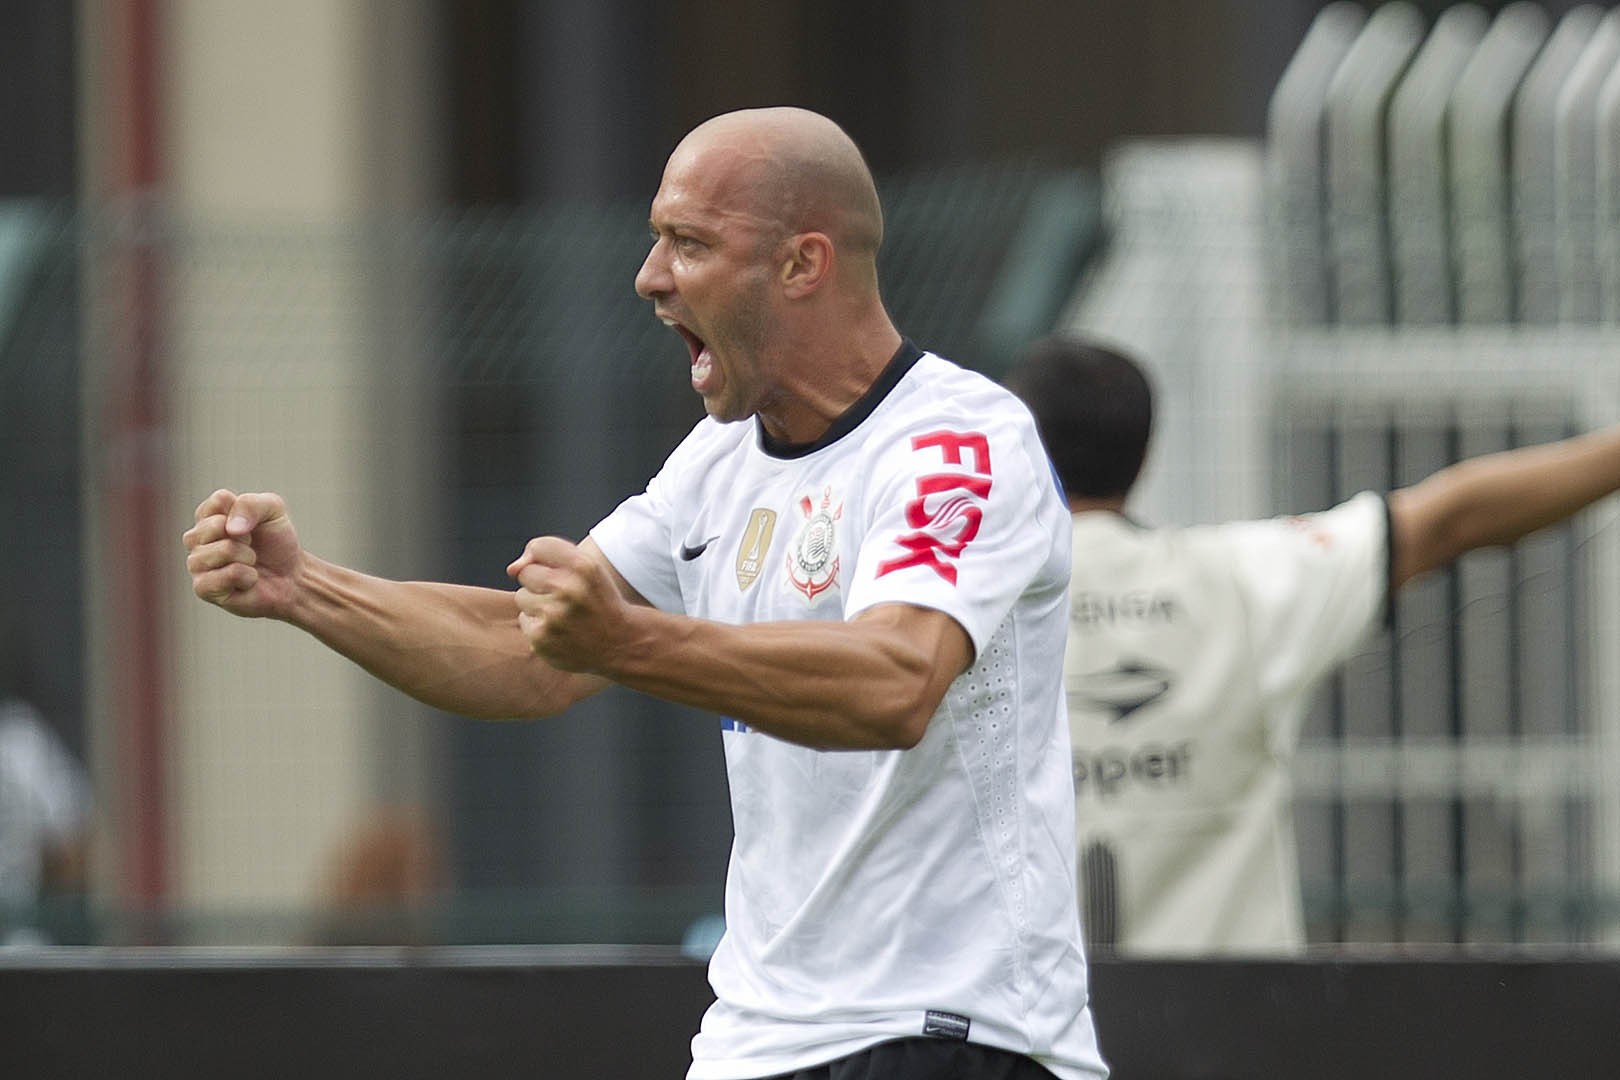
x,y
1105,530
710,439
934,368
946,389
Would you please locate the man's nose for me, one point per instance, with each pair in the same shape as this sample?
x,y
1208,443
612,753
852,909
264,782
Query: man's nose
x,y
653,277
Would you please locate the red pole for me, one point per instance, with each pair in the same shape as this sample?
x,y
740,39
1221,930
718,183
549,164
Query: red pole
x,y
135,463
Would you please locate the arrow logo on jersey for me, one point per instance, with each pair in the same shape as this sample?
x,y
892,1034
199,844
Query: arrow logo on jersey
x,y
1124,689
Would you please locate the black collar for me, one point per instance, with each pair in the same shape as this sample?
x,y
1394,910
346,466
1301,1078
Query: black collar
x,y
907,355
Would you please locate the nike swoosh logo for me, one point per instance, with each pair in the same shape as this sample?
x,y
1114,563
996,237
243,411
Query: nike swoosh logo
x,y
690,552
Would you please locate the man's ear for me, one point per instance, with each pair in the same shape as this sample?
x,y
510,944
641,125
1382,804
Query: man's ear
x,y
807,264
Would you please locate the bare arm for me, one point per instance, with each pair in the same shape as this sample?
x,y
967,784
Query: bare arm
x,y
454,647
574,626
1498,498
870,683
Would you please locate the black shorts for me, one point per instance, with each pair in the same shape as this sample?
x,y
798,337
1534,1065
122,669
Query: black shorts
x,y
925,1058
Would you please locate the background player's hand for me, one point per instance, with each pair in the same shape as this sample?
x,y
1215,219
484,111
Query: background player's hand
x,y
569,606
244,555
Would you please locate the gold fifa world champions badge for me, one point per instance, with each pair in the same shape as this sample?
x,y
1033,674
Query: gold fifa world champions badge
x,y
756,542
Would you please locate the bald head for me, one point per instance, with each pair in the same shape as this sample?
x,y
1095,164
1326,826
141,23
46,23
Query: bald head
x,y
765,231
801,172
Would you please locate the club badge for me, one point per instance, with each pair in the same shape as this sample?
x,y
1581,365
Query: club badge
x,y
812,559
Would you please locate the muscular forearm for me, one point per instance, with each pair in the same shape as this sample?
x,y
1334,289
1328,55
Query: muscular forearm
x,y
868,684
454,647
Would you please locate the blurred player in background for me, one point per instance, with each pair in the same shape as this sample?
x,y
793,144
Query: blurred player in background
x,y
44,826
1193,651
858,560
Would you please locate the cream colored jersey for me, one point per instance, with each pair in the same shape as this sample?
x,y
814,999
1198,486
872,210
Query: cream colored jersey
x,y
1192,655
874,895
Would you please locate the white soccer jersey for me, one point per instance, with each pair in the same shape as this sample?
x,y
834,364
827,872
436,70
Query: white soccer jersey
x,y
880,894
1192,655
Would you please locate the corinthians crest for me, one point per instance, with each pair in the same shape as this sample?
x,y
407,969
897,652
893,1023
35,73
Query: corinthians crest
x,y
812,558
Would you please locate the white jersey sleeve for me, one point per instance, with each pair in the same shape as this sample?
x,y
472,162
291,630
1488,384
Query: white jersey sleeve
x,y
963,521
639,536
1316,585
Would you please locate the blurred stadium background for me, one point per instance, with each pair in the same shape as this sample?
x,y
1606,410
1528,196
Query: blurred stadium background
x,y
377,256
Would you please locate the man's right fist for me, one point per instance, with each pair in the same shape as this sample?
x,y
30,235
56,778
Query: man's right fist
x,y
244,553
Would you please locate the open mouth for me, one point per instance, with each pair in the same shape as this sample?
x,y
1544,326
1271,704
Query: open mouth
x,y
702,358
694,344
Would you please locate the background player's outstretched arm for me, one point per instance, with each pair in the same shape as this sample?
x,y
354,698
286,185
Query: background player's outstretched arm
x,y
1497,499
455,647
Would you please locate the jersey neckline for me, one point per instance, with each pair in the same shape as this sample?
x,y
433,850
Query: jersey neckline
x,y
904,358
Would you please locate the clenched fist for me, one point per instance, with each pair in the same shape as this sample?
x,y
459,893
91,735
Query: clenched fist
x,y
244,555
570,606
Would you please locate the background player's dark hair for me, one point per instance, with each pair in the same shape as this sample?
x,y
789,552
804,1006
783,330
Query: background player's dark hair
x,y
1094,409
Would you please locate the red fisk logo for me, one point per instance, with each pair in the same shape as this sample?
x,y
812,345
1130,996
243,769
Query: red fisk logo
x,y
947,510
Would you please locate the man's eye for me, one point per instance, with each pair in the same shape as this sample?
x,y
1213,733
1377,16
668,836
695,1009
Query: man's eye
x,y
687,244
